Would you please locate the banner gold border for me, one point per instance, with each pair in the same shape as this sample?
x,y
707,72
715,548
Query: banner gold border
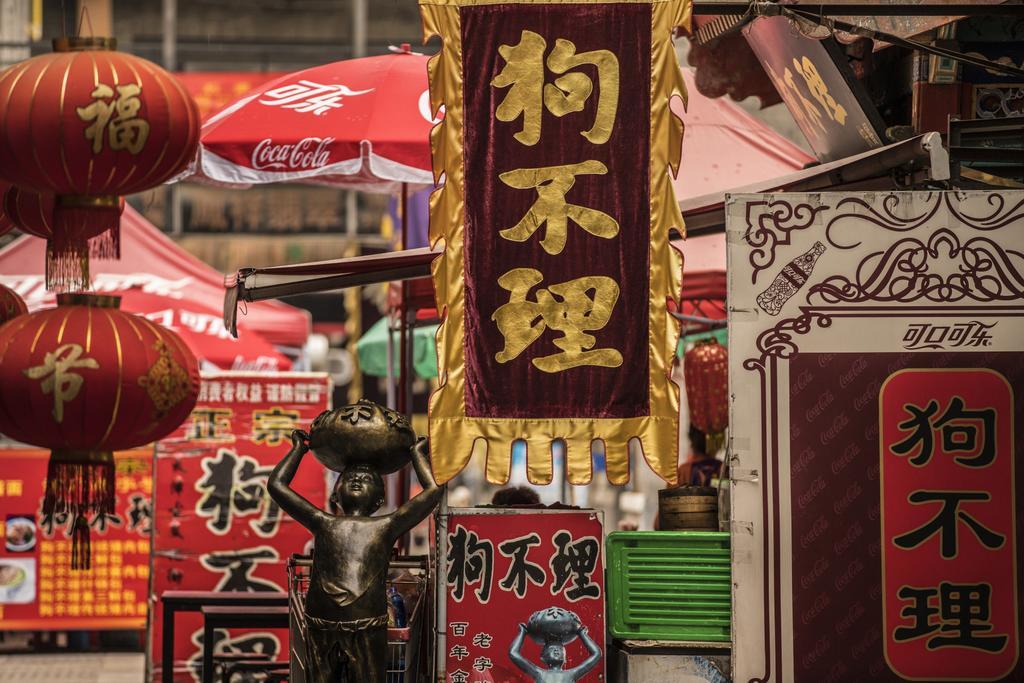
x,y
455,437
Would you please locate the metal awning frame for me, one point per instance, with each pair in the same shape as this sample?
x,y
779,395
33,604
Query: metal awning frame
x,y
922,158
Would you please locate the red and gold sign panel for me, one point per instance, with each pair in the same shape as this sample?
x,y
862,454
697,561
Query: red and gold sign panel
x,y
39,591
947,477
216,528
555,213
505,570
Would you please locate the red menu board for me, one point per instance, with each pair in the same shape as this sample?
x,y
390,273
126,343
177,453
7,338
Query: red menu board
x,y
949,584
216,527
503,566
38,589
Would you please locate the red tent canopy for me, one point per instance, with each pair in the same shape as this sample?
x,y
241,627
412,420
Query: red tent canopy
x,y
725,147
152,262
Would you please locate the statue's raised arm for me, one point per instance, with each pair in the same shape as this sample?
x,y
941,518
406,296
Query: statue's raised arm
x,y
420,506
279,486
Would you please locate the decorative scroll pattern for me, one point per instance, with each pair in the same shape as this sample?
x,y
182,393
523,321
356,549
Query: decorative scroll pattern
x,y
940,270
769,229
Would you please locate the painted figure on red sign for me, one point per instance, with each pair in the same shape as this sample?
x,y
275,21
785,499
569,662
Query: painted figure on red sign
x,y
554,628
346,606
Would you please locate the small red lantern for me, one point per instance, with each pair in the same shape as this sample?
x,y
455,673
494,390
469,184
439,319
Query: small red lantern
x,y
706,370
85,379
67,250
89,124
11,305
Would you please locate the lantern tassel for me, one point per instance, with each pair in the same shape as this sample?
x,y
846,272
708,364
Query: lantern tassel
x,y
75,220
67,266
79,483
81,546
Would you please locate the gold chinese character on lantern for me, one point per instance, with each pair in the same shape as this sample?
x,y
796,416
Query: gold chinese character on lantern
x,y
572,308
552,183
57,376
523,74
118,119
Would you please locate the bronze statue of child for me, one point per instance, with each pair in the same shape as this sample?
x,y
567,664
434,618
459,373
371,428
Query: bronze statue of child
x,y
346,606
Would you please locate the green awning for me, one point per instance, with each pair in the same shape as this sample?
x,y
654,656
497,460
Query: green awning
x,y
372,348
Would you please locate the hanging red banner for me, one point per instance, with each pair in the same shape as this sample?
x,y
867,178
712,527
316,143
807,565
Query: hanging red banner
x,y
555,213
38,589
216,527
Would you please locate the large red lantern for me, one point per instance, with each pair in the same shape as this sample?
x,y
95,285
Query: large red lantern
x,y
11,305
706,371
68,250
85,379
89,124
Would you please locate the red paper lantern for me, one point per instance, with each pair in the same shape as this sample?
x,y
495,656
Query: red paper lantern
x,y
68,250
706,370
89,124
85,379
11,305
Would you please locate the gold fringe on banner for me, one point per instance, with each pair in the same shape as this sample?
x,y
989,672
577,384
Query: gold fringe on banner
x,y
454,435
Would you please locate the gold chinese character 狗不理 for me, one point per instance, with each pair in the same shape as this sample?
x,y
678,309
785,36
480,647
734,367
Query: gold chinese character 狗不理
x,y
583,305
57,378
118,118
552,183
528,94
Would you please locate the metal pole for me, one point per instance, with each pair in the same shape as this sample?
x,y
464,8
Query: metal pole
x,y
404,400
404,393
359,28
169,48
358,50
391,366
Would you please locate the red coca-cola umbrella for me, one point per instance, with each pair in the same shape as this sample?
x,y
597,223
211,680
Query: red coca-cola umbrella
x,y
361,123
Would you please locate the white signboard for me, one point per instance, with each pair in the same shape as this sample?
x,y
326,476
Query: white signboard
x,y
877,387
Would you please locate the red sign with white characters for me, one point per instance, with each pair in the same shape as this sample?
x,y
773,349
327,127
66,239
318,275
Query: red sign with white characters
x,y
216,527
502,567
948,518
38,589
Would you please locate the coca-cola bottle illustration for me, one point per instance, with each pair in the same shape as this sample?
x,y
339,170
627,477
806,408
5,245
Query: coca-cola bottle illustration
x,y
789,281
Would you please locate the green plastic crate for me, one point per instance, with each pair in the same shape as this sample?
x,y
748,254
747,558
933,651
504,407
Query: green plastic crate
x,y
669,585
